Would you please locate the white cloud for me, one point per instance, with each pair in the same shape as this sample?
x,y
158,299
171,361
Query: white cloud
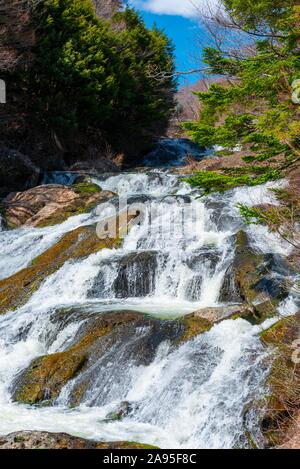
x,y
169,7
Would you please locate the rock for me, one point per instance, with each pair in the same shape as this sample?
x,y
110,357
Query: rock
x,y
281,406
229,292
124,338
77,244
203,261
136,275
99,164
45,440
52,204
122,411
134,278
47,375
259,279
17,171
215,315
193,326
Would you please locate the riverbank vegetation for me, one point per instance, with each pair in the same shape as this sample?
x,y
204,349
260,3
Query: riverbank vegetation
x,y
255,107
80,84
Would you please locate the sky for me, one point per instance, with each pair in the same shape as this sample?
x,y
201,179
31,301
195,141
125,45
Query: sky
x,y
179,20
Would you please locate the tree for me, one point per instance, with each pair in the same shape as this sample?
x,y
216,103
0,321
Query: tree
x,y
91,75
255,108
16,34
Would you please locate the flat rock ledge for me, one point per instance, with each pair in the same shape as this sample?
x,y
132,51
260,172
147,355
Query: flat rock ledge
x,y
45,440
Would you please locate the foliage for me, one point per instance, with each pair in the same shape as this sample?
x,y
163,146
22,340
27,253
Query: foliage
x,y
253,106
211,181
93,73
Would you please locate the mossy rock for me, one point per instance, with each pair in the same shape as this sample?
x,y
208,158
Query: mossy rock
x,y
86,188
45,377
52,204
255,284
193,326
281,333
46,440
16,290
283,401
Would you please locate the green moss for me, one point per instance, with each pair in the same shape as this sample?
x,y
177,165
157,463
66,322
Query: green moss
x,y
193,326
86,188
46,375
276,334
82,242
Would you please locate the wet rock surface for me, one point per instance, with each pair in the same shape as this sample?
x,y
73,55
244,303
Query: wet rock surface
x,y
45,440
280,408
78,244
118,338
257,279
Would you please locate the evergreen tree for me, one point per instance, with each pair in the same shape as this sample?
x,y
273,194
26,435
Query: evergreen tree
x,y
254,107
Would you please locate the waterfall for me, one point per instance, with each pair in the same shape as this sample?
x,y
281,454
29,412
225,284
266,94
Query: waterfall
x,y
175,261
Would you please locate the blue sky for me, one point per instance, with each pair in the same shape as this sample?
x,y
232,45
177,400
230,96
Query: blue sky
x,y
179,20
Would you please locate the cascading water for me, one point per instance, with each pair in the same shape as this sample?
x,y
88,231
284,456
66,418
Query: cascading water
x,y
192,395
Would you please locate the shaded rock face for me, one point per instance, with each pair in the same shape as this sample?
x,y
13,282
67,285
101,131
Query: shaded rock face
x,y
52,204
134,277
229,292
45,440
17,172
257,279
205,262
83,372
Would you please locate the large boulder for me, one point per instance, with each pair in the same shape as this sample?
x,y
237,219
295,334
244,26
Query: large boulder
x,y
105,346
17,172
255,278
46,440
52,204
77,244
121,338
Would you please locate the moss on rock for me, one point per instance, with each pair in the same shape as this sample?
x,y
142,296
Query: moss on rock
x,y
46,440
52,204
17,289
193,326
46,376
251,273
283,400
44,379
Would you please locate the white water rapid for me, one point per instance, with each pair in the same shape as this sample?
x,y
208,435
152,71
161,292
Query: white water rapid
x,y
193,395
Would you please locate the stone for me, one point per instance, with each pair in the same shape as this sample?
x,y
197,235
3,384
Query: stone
x,y
52,204
46,440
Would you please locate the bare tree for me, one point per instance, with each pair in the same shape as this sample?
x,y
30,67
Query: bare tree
x,y
16,34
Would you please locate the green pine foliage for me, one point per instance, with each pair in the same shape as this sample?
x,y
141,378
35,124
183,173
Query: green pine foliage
x,y
212,181
254,108
90,73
